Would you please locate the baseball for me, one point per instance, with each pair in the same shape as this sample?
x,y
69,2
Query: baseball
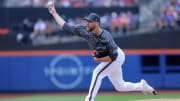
x,y
50,3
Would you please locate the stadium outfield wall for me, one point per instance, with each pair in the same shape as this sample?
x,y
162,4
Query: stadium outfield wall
x,y
155,58
72,71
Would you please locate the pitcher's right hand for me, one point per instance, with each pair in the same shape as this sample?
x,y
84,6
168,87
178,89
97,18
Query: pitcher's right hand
x,y
51,7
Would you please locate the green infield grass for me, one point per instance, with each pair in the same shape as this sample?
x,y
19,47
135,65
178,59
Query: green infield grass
x,y
100,97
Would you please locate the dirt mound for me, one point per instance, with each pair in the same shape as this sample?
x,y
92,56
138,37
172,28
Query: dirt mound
x,y
160,100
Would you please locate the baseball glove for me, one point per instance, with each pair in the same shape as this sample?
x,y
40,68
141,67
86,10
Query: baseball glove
x,y
100,52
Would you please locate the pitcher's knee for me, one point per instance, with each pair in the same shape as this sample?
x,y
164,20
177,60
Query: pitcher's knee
x,y
120,88
96,71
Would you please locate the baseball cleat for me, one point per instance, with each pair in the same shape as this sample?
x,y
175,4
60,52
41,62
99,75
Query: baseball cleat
x,y
154,92
147,89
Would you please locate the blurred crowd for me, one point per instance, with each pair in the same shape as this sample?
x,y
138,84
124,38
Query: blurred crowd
x,y
71,3
42,30
118,23
170,17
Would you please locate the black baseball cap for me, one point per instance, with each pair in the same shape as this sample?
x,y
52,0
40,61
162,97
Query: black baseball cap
x,y
92,17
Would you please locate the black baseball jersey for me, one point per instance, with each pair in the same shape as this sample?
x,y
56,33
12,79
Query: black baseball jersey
x,y
105,39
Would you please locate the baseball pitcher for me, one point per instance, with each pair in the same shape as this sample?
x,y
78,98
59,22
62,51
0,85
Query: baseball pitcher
x,y
105,51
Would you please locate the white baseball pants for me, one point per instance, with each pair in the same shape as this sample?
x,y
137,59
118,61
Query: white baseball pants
x,y
114,72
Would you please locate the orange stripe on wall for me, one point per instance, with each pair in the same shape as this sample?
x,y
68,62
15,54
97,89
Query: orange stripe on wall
x,y
152,51
85,52
44,52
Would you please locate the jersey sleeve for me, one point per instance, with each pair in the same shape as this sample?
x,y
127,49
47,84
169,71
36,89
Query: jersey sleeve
x,y
75,30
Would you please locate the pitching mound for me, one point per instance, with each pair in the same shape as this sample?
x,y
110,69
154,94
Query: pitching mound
x,y
160,100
